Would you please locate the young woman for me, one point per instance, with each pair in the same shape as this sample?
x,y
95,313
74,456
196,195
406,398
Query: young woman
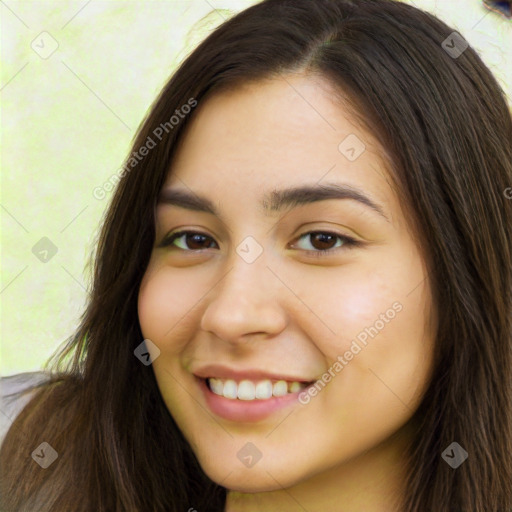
x,y
303,288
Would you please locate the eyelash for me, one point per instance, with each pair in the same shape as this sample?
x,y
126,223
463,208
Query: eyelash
x,y
348,242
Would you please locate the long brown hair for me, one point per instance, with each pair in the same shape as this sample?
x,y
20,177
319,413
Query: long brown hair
x,y
445,124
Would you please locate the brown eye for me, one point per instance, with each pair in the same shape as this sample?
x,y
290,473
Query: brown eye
x,y
323,243
190,241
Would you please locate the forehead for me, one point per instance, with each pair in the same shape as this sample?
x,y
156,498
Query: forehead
x,y
274,134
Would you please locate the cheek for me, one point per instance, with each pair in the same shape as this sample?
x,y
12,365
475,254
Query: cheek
x,y
386,345
384,298
348,307
380,318
163,304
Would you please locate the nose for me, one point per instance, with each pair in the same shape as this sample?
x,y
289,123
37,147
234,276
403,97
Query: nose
x,y
244,303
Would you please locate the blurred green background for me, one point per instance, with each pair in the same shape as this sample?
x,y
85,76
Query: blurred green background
x,y
76,80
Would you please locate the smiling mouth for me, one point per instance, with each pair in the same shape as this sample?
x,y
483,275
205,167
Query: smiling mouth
x,y
253,390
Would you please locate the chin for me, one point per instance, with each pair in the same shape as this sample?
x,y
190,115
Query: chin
x,y
259,478
252,483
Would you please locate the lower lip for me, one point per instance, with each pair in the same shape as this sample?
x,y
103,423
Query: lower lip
x,y
245,410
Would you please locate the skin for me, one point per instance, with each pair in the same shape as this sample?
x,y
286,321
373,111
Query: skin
x,y
288,312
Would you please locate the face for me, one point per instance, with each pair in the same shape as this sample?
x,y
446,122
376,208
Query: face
x,y
293,328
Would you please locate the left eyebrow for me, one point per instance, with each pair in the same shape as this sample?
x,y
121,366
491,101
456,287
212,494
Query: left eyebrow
x,y
275,200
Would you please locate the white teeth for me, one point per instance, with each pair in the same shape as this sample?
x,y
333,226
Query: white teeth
x,y
217,386
280,388
246,390
249,390
230,389
264,390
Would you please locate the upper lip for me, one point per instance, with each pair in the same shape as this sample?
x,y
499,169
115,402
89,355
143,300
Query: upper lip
x,y
224,372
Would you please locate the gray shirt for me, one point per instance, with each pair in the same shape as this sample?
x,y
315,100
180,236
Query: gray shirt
x,y
11,404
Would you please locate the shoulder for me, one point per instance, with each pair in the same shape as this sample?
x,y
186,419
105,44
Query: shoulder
x,y
15,392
